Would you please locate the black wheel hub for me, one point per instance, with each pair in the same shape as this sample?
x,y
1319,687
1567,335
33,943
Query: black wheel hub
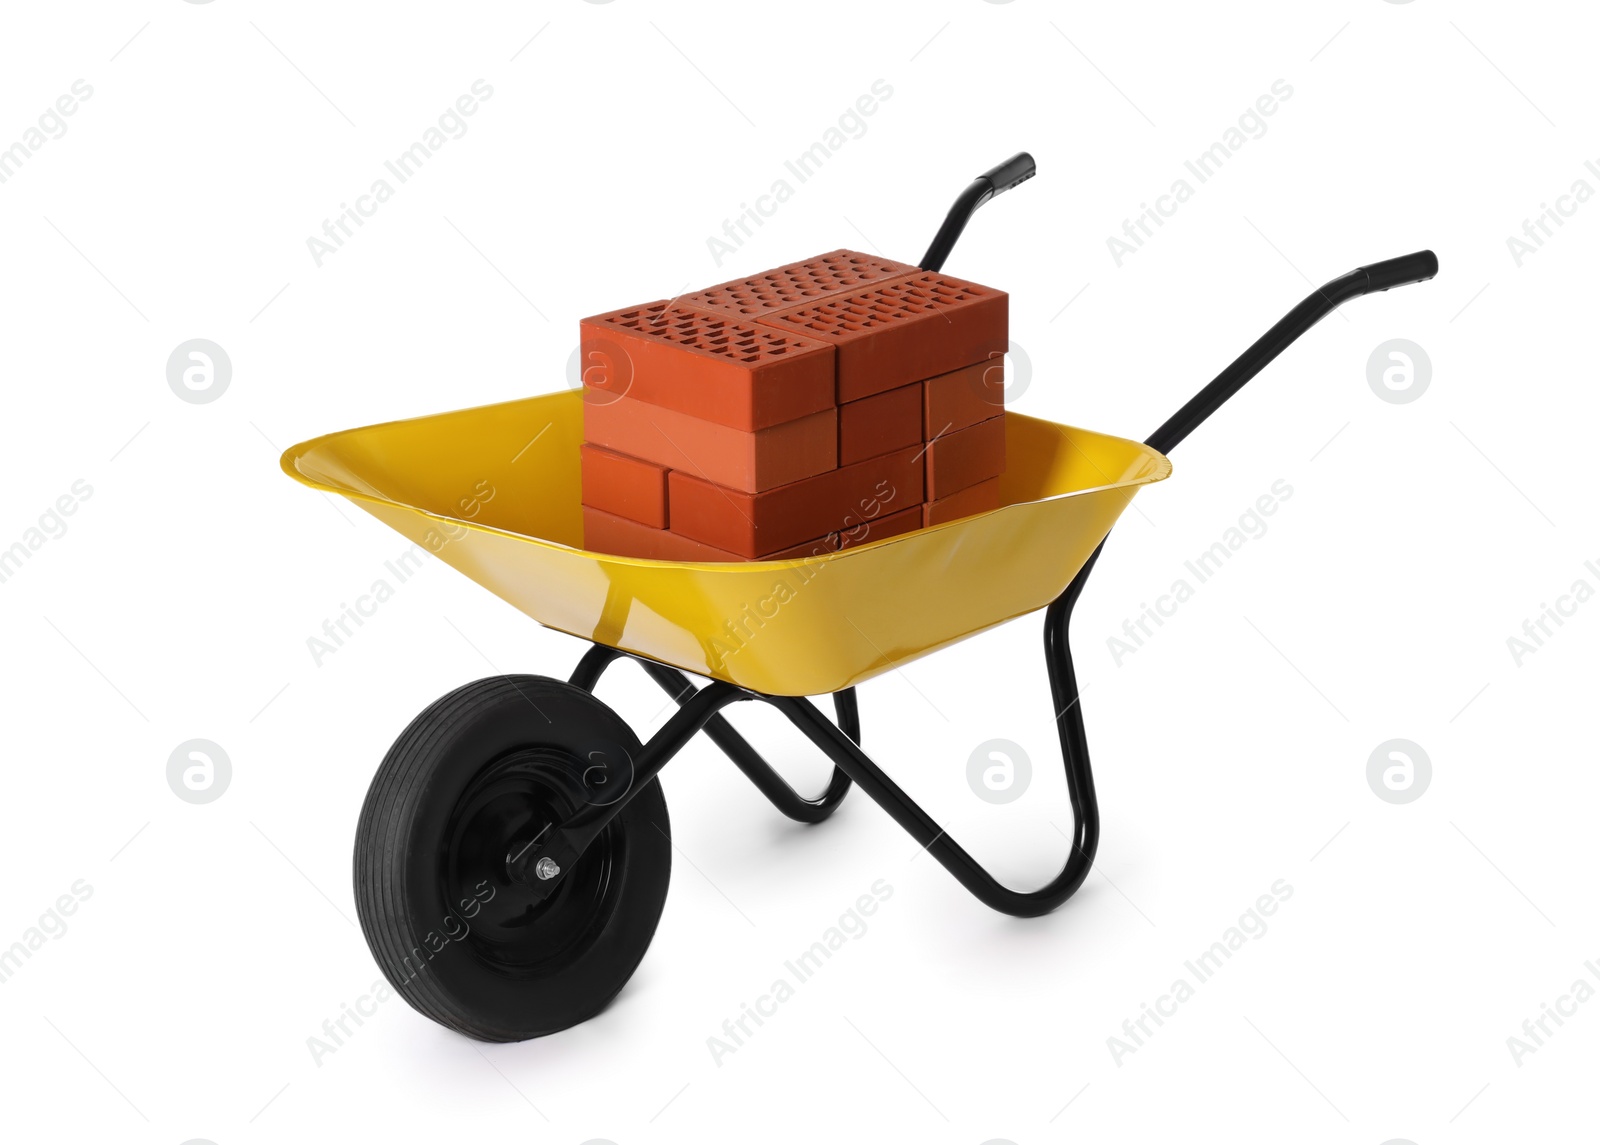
x,y
505,808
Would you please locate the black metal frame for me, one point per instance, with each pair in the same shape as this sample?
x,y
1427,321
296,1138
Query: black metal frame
x,y
678,685
699,708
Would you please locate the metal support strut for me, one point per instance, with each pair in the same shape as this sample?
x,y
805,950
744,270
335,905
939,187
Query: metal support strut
x,y
699,711
922,827
767,780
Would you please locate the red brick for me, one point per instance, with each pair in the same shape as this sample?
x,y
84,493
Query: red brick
x,y
624,486
608,533
881,527
880,424
962,458
754,524
878,528
901,330
705,363
799,283
963,397
979,498
821,547
740,459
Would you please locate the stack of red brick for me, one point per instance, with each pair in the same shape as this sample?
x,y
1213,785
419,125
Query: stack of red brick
x,y
824,404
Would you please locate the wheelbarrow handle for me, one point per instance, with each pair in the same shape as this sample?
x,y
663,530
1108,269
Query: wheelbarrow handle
x,y
995,181
1409,268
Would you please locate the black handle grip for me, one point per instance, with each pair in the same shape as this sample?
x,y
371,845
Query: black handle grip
x,y
1402,271
1422,265
1017,169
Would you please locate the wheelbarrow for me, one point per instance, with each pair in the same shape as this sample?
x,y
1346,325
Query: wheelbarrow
x,y
513,852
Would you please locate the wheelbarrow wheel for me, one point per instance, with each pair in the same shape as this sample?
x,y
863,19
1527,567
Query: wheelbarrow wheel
x,y
474,779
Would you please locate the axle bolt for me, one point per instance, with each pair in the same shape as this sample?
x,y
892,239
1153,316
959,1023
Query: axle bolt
x,y
546,868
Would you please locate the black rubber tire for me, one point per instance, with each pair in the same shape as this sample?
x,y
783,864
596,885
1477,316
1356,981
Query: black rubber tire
x,y
490,759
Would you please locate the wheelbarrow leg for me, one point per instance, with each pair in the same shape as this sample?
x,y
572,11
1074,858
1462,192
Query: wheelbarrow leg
x,y
1085,837
592,665
678,685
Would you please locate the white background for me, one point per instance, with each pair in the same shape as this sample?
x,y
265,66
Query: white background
x,y
1231,750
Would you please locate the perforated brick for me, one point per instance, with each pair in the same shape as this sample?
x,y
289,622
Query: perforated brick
x,y
756,524
797,284
749,461
902,330
705,363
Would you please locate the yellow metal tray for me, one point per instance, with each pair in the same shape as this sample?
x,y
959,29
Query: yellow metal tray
x,y
495,493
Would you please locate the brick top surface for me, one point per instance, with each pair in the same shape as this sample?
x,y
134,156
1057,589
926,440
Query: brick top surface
x,y
836,272
706,332
893,303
